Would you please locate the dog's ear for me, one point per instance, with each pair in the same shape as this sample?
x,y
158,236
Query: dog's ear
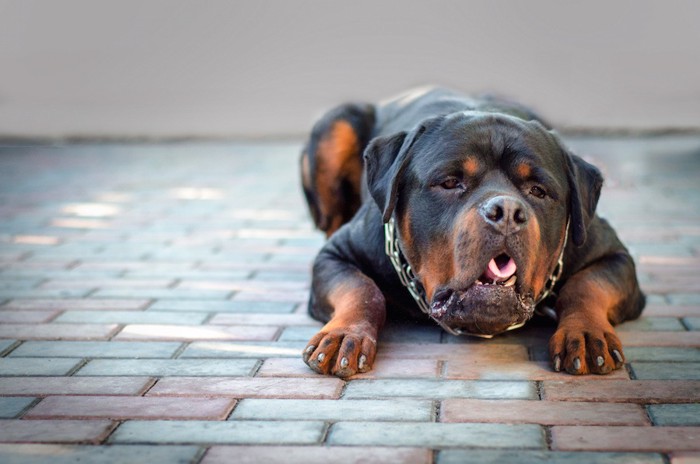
x,y
585,183
386,158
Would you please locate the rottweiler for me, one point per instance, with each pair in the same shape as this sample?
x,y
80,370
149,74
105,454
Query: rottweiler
x,y
468,211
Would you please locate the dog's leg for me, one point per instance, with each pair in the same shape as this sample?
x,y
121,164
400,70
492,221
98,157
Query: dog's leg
x,y
331,164
354,309
589,304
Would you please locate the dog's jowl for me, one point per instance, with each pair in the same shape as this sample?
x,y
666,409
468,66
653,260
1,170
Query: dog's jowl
x,y
468,211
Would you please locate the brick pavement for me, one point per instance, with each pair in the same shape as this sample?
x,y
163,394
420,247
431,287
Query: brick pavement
x,y
152,309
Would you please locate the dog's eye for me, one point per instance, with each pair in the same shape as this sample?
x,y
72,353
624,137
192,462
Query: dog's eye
x,y
538,191
451,183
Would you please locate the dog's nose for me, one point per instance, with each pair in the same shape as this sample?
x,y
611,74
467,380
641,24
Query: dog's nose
x,y
504,213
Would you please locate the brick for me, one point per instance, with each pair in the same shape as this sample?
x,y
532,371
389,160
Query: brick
x,y
43,386
436,435
685,339
10,407
5,344
685,458
666,371
232,350
600,438
684,298
37,366
410,332
334,410
19,317
54,431
167,367
651,324
286,296
315,455
192,332
693,323
541,412
43,293
72,304
383,368
69,349
265,319
624,391
223,306
131,407
228,432
58,331
468,369
250,387
299,333
133,317
642,353
550,457
675,414
428,388
168,293
84,282
481,352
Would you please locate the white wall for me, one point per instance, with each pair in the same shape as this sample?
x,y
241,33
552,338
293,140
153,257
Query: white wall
x,y
199,68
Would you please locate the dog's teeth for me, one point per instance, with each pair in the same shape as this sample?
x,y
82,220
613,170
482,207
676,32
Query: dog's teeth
x,y
478,282
510,282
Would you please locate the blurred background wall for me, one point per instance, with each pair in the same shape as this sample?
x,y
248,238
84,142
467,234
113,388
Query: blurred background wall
x,y
167,68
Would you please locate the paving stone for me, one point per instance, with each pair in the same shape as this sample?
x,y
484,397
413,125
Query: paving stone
x,y
666,310
243,350
651,323
624,391
666,370
132,317
192,333
693,323
19,317
37,366
656,338
644,353
10,407
228,432
69,349
43,386
168,293
685,458
541,412
5,344
383,368
525,370
72,304
265,319
438,389
436,435
43,293
113,454
298,333
623,438
167,367
549,457
332,410
675,414
474,350
208,306
250,387
130,407
315,455
54,431
57,331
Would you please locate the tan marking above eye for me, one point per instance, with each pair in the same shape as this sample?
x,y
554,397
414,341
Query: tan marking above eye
x,y
471,166
523,170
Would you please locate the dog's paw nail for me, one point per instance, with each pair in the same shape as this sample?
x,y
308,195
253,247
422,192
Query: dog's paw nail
x,y
361,363
344,363
309,349
577,364
600,360
618,356
321,357
557,363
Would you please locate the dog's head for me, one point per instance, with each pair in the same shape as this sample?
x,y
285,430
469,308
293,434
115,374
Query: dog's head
x,y
481,203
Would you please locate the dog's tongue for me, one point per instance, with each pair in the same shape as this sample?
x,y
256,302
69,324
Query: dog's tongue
x,y
500,268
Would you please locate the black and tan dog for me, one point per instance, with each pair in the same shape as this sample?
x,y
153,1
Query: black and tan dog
x,y
468,210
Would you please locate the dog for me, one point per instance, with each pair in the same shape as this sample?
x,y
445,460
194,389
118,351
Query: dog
x,y
469,211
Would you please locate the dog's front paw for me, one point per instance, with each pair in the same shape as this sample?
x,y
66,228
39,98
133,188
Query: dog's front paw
x,y
580,346
342,351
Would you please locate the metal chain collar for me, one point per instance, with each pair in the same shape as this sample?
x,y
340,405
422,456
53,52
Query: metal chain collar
x,y
415,288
